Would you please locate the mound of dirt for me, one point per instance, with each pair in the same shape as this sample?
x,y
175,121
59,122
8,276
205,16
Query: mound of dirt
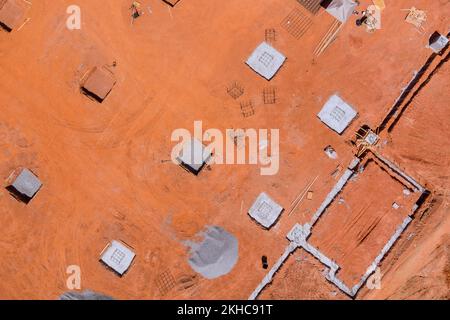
x,y
85,295
216,255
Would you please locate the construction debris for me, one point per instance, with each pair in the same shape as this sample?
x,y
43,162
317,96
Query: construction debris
x,y
297,23
265,264
312,6
380,4
298,200
270,35
373,19
247,108
136,11
235,90
270,95
165,282
331,153
328,38
417,18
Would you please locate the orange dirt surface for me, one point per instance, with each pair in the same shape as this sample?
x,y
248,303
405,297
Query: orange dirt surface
x,y
306,275
419,142
105,166
363,220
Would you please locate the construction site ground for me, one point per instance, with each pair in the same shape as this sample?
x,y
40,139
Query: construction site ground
x,y
105,167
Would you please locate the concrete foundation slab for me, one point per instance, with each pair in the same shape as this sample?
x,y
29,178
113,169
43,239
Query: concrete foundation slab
x,y
25,185
438,42
98,84
266,60
118,257
337,114
265,210
194,156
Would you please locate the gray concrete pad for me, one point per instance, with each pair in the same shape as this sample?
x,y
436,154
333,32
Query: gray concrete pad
x,y
265,210
266,60
194,155
26,184
337,114
438,42
118,257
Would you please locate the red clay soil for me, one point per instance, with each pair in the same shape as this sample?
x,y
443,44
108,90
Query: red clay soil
x,y
420,139
104,166
12,13
363,220
419,142
306,275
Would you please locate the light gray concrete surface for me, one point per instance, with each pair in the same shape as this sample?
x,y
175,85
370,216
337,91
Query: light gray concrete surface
x,y
216,255
194,155
437,44
27,183
118,257
337,114
265,210
266,60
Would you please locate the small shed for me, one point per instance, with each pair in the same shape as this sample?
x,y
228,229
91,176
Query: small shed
x,y
24,186
98,83
341,9
118,257
11,14
337,114
194,156
266,60
265,211
438,42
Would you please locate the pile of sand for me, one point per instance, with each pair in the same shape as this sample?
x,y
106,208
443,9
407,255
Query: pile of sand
x,y
85,295
216,255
